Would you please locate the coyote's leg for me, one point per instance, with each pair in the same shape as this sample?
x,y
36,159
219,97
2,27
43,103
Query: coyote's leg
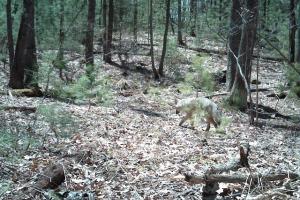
x,y
186,117
214,123
207,125
210,120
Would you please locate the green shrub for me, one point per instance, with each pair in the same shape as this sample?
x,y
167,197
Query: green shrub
x,y
174,58
198,78
61,122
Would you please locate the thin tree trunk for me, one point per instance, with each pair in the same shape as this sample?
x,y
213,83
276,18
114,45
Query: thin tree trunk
x,y
10,41
109,31
193,16
135,20
163,54
100,14
179,33
298,34
292,31
60,54
155,73
89,40
264,15
104,18
234,39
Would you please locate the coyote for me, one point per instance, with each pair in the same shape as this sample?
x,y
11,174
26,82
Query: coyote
x,y
199,105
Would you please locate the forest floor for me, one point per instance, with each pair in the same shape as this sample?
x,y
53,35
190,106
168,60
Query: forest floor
x,y
134,148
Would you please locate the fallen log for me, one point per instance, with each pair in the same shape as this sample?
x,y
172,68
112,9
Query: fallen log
x,y
220,52
28,92
212,177
25,109
238,178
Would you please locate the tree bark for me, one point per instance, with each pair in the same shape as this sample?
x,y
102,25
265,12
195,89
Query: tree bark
x,y
59,63
31,67
179,33
165,40
298,34
89,40
108,32
240,89
155,73
234,38
10,41
135,20
25,60
292,31
193,17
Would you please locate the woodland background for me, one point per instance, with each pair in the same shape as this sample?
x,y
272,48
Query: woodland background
x,y
88,89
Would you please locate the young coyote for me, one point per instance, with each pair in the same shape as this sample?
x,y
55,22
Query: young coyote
x,y
199,105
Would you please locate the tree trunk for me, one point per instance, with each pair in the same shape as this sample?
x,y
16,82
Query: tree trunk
x,y
193,17
135,20
31,67
292,31
60,64
89,56
161,63
100,13
155,73
107,43
234,39
104,22
241,88
298,34
264,15
108,12
10,41
220,10
25,60
179,33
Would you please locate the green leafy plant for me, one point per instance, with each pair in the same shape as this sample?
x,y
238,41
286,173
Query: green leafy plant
x,y
174,58
198,78
60,122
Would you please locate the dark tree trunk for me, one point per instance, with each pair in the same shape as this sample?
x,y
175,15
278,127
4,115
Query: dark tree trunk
x,y
107,43
234,39
264,15
193,17
89,38
100,13
10,41
31,67
292,31
104,22
155,73
25,60
163,54
220,10
241,88
135,20
298,34
60,54
179,33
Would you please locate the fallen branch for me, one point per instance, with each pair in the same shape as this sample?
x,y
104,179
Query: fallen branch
x,y
28,92
220,52
238,178
20,109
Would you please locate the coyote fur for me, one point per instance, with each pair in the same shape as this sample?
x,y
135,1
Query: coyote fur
x,y
202,106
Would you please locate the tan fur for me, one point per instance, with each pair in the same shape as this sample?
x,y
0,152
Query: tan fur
x,y
192,106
